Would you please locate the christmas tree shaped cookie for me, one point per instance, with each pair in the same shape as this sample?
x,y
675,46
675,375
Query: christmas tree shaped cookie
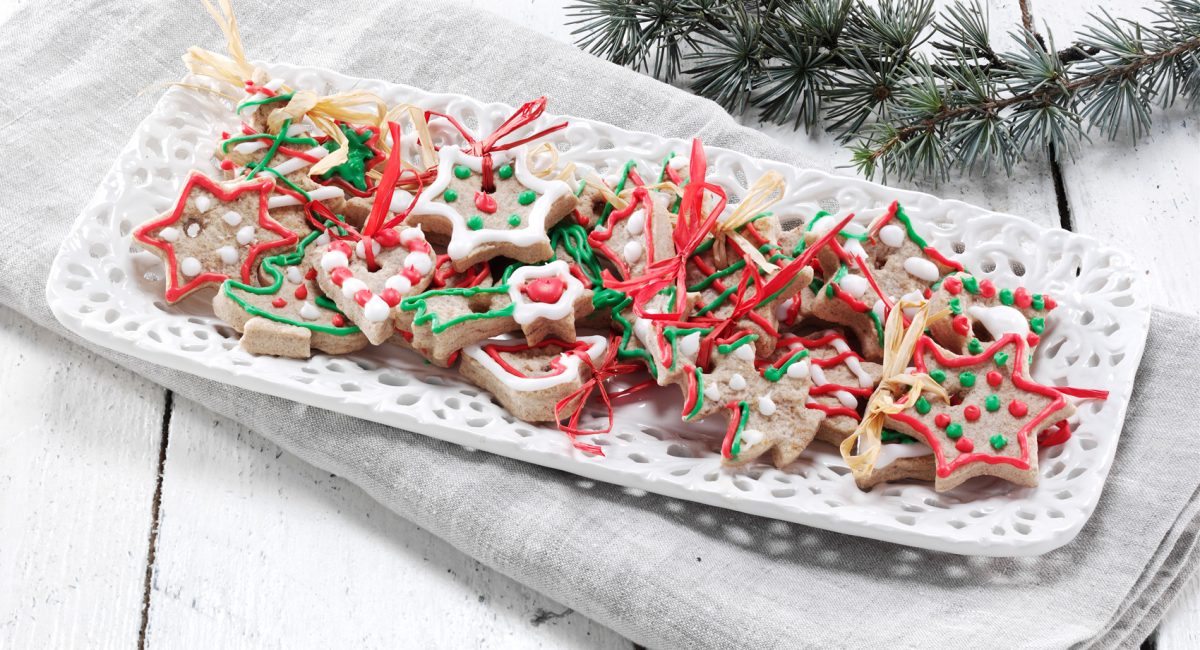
x,y
766,408
868,272
529,379
980,313
288,316
366,284
213,233
542,301
510,220
842,381
989,426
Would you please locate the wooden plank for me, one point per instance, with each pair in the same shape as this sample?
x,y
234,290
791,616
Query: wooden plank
x,y
1143,195
256,547
79,451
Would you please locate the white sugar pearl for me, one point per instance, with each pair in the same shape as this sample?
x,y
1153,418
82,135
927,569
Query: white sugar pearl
x,y
232,218
633,251
766,405
376,310
745,352
636,223
420,262
855,285
399,283
351,286
892,235
294,276
712,391
737,382
309,311
245,235
798,370
169,234
690,345
334,259
190,266
228,254
360,249
203,202
922,269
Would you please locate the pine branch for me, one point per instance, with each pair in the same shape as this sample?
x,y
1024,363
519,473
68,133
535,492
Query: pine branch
x,y
854,68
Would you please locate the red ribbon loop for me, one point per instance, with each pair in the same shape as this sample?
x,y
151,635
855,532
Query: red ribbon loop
x,y
526,114
608,369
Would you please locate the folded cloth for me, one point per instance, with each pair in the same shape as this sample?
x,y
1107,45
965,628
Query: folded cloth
x,y
666,573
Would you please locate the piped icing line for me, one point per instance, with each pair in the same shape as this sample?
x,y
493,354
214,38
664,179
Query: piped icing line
x,y
378,308
564,367
528,308
264,187
464,240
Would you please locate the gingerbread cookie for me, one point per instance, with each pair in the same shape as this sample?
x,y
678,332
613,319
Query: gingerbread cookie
x,y
841,381
980,313
529,379
288,316
213,233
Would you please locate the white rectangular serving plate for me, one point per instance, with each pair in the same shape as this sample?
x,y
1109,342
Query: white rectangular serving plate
x,y
103,289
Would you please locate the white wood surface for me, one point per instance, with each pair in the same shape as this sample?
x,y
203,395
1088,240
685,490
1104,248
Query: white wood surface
x,y
256,548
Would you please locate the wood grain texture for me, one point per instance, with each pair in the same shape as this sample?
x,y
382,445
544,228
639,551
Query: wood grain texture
x,y
77,474
258,548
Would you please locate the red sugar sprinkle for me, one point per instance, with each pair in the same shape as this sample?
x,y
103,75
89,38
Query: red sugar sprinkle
x,y
279,302
301,292
994,378
987,289
390,296
339,275
338,320
485,202
1018,408
227,164
311,274
1050,304
942,420
1032,339
964,445
362,296
1022,298
387,237
971,413
343,248
961,325
953,285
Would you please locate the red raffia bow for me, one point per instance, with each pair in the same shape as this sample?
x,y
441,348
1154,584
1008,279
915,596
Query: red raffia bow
x,y
608,369
393,174
526,114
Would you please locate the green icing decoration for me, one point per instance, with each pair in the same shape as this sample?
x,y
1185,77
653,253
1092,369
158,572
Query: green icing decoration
x,y
974,346
955,306
505,172
418,304
475,222
992,403
699,394
887,435
736,447
358,156
922,405
514,220
938,375
1006,297
1037,324
1039,301
450,196
998,442
773,374
954,431
526,197
970,283
1001,358
726,348
462,172
967,379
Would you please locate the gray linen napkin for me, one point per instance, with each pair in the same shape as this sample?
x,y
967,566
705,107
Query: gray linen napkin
x,y
665,573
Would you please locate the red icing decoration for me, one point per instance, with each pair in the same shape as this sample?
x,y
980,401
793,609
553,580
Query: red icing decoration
x,y
1049,302
227,164
1022,298
279,302
1018,408
987,289
485,202
362,296
390,296
1032,339
953,285
546,290
339,320
312,274
412,274
971,413
964,445
942,420
343,248
301,292
961,325
340,274
994,378
388,237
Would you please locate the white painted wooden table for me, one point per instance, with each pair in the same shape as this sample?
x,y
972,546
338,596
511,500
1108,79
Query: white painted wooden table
x,y
128,517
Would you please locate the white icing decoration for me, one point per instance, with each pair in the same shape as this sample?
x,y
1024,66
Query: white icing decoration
x,y
737,382
203,202
922,269
636,223
399,283
571,362
193,229
633,251
190,266
678,162
249,146
360,249
852,362
293,275
296,164
463,240
245,235
877,309
351,286
333,259
274,84
892,451
169,234
689,345
751,437
322,239
420,262
818,379
376,310
766,405
855,285
798,370
745,352
915,297
892,235
525,310
232,218
409,234
781,310
854,247
309,311
1000,320
323,193
228,254
712,391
